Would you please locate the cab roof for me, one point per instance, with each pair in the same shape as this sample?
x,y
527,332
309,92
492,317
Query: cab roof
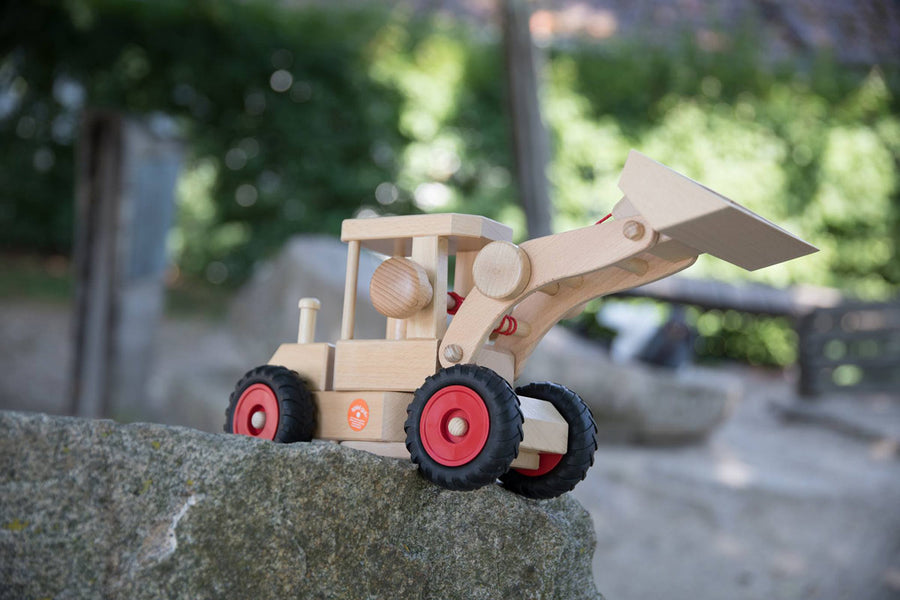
x,y
387,234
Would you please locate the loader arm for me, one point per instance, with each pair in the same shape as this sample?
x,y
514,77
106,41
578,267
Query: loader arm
x,y
660,227
542,311
556,259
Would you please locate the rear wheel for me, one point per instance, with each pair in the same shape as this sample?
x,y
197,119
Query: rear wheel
x,y
558,473
463,427
272,403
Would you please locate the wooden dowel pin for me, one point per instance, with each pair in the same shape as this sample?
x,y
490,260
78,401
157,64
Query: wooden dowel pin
x,y
570,282
638,266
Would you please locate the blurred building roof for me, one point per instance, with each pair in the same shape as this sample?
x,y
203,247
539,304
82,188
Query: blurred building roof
x,y
860,32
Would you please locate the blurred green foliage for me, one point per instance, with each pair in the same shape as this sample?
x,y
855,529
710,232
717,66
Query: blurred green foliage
x,y
297,118
286,129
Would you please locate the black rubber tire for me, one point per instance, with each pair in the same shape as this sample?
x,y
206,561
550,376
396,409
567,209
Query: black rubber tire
x,y
579,456
505,428
296,407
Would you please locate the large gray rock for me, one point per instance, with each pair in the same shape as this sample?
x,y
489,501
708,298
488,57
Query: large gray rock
x,y
93,509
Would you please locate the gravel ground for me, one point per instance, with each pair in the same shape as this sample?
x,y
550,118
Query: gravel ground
x,y
764,508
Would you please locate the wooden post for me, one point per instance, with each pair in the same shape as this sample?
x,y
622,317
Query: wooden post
x,y
530,144
395,329
431,253
126,174
306,331
349,316
462,277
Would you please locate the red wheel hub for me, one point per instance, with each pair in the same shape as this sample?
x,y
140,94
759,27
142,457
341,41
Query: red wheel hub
x,y
547,464
471,421
256,413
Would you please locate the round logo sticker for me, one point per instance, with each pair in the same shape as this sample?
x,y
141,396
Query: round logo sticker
x,y
358,415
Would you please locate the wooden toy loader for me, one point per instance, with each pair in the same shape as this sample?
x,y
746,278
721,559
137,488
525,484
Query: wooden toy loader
x,y
441,393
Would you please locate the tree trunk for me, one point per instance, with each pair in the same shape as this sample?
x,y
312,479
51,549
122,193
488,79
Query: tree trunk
x,y
530,143
125,190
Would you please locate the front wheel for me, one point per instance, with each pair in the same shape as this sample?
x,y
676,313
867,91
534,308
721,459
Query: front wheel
x,y
272,403
558,473
463,427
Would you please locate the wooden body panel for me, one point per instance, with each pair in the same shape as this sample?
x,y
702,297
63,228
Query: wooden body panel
x,y
501,361
697,216
389,365
382,419
314,362
526,460
544,429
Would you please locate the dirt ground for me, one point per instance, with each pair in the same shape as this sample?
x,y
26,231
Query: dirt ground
x,y
764,509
